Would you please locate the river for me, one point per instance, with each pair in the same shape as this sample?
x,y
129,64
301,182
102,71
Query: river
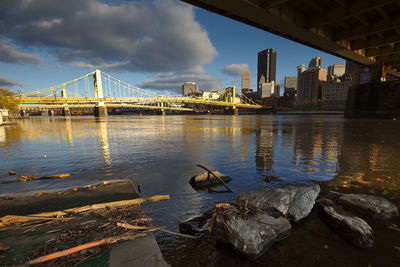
x,y
161,152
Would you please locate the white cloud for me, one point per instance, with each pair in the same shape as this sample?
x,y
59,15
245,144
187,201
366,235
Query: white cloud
x,y
234,69
141,36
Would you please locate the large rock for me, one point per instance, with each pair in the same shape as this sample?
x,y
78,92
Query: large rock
x,y
251,235
351,228
206,179
369,205
293,202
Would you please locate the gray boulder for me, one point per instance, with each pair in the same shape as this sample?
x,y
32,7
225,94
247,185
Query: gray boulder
x,y
293,202
252,235
369,205
353,229
206,179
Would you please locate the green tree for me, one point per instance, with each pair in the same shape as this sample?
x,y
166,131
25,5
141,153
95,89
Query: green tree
x,y
8,101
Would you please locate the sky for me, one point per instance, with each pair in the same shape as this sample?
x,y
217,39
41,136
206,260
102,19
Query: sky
x,y
155,45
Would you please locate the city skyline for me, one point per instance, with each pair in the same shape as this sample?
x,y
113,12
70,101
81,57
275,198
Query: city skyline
x,y
40,58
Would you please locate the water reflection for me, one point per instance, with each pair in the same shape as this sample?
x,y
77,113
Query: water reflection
x,y
103,137
161,153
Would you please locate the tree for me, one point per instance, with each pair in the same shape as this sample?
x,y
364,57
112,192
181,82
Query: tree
x,y
8,101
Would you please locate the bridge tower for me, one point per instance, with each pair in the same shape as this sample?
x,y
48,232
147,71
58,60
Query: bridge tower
x,y
65,111
100,110
230,97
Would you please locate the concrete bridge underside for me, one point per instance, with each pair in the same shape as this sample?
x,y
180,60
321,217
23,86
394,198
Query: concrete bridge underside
x,y
364,31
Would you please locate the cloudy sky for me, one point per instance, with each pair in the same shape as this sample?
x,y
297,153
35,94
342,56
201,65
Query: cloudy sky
x,y
156,44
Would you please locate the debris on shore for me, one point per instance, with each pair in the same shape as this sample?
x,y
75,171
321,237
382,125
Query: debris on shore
x,y
27,178
74,234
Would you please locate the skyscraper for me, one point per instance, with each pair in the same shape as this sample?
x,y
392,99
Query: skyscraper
x,y
336,70
290,83
315,62
309,82
245,80
266,66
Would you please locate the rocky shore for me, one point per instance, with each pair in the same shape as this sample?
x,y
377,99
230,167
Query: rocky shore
x,y
254,221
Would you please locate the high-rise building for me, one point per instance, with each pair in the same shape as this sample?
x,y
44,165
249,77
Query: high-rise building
x,y
290,83
289,94
189,88
336,70
300,70
246,80
315,62
309,82
266,66
334,91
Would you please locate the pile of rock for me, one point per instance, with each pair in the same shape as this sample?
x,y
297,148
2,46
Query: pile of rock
x,y
255,220
343,216
273,209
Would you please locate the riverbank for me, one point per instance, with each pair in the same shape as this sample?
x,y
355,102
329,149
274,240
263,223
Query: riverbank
x,y
310,112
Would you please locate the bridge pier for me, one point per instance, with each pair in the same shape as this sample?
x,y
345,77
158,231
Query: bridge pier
x,y
44,113
23,113
51,112
231,112
100,111
66,112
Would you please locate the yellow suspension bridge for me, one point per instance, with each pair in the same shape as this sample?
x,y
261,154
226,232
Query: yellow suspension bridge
x,y
100,91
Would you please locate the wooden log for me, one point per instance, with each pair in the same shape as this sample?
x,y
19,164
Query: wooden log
x,y
70,251
56,176
222,181
9,219
24,179
115,204
178,234
133,227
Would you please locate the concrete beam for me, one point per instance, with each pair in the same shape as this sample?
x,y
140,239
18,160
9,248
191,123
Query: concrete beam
x,y
359,31
383,50
389,57
363,44
353,9
250,14
267,4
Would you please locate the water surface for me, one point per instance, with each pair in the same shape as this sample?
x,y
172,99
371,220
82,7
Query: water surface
x,y
161,152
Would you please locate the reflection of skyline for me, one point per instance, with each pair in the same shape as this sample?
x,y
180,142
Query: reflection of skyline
x,y
294,147
265,144
371,159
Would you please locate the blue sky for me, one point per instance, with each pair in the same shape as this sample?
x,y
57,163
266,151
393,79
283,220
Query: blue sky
x,y
156,44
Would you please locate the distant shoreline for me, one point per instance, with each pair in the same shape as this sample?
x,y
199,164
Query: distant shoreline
x,y
310,112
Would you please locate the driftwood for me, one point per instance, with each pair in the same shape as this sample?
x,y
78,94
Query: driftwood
x,y
97,243
222,181
54,215
135,227
178,234
24,179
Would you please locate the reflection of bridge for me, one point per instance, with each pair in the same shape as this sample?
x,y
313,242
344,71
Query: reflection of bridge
x,y
99,90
